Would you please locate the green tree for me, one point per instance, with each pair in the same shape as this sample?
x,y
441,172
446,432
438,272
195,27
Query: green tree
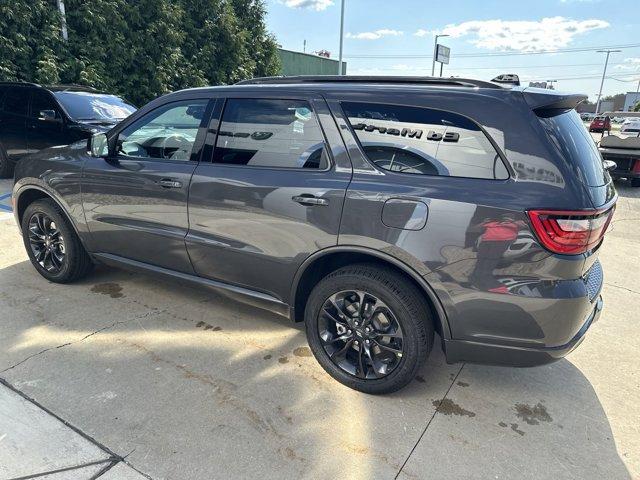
x,y
138,49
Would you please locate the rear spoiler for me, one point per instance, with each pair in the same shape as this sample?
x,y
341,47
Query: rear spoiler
x,y
544,101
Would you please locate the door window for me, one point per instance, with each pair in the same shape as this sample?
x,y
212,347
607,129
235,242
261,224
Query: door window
x,y
424,141
270,133
43,102
16,101
167,133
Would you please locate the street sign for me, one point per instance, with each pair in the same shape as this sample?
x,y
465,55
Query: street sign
x,y
442,54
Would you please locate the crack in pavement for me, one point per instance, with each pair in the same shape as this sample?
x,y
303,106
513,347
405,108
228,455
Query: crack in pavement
x,y
429,422
110,461
622,288
119,322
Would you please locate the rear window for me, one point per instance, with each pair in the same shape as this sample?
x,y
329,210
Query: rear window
x,y
423,141
570,137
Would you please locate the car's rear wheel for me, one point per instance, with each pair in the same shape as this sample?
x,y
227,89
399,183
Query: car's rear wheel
x,y
369,327
52,245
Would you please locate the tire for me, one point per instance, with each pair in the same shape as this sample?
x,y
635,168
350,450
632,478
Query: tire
x,y
75,263
6,168
408,310
635,182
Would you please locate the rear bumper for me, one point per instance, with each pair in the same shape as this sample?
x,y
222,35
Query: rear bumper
x,y
516,356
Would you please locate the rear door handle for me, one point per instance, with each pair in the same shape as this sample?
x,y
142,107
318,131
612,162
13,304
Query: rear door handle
x,y
169,183
310,200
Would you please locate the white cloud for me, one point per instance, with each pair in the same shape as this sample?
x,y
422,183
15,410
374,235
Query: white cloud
x,y
630,64
384,32
317,5
522,35
421,32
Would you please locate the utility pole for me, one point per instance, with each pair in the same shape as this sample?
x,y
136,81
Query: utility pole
x,y
604,73
435,52
304,46
63,20
341,37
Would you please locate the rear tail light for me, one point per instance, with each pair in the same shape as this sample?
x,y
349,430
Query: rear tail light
x,y
636,166
570,232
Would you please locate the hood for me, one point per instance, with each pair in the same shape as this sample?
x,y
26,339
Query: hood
x,y
96,126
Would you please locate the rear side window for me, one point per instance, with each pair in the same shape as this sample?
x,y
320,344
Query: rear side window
x,y
16,101
573,141
424,141
270,133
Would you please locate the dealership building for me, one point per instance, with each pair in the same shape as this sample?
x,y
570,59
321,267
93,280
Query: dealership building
x,y
299,63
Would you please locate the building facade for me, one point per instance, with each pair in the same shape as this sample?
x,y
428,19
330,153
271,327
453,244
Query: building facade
x,y
298,63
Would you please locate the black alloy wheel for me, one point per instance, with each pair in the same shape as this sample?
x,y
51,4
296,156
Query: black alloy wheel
x,y
360,334
53,245
369,326
46,242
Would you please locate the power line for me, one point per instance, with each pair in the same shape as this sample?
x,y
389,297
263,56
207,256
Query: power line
x,y
519,67
507,54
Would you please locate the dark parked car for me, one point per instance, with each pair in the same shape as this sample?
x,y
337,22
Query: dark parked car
x,y
33,117
379,211
625,155
600,124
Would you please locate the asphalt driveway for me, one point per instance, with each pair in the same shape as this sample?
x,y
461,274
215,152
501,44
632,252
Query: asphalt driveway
x,y
162,380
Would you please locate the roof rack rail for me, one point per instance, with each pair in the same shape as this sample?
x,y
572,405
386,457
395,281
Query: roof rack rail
x,y
19,83
296,79
70,86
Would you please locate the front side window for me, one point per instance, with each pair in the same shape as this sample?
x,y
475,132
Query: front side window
x,y
270,133
167,133
43,106
422,141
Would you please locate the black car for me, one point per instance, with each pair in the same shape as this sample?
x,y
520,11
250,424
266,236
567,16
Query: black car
x,y
33,117
379,211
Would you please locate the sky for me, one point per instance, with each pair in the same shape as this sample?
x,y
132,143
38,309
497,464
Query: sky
x,y
539,40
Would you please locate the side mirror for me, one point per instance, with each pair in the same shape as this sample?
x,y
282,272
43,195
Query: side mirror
x,y
98,145
47,115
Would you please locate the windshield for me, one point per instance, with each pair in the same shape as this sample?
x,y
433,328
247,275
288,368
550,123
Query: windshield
x,y
571,138
94,106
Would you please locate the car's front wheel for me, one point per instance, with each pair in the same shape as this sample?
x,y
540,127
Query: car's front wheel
x,y
52,245
369,327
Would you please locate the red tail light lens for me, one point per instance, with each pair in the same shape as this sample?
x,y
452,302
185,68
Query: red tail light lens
x,y
570,232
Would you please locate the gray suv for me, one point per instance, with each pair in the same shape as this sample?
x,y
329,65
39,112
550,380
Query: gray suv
x,y
379,211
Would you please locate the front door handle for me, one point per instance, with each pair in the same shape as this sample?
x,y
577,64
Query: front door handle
x,y
310,200
169,183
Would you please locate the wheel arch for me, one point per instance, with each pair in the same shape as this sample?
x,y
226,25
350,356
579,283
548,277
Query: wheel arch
x,y
325,261
28,194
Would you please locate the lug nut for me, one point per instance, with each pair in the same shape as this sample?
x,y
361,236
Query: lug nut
x,y
357,324
367,329
367,342
348,332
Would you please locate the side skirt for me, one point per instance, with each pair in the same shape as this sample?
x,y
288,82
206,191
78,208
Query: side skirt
x,y
241,294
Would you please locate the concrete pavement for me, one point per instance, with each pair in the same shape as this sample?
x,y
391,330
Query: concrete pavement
x,y
188,384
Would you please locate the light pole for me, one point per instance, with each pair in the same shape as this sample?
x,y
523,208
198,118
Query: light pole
x,y
63,20
435,51
604,72
341,37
